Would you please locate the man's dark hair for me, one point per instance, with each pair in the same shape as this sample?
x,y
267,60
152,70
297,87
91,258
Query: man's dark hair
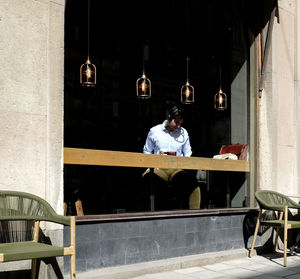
x,y
175,112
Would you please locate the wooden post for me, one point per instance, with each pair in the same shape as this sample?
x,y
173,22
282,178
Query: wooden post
x,y
65,208
79,209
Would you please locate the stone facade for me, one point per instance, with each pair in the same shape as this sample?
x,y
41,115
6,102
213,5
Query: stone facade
x,y
278,121
31,103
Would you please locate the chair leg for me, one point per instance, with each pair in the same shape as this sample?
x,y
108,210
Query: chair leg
x,y
35,239
255,233
33,268
285,236
73,268
277,231
73,245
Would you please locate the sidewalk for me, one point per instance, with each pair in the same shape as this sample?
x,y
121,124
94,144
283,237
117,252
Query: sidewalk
x,y
258,267
226,264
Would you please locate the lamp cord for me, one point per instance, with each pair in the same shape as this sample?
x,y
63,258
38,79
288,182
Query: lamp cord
x,y
88,43
187,69
220,78
143,59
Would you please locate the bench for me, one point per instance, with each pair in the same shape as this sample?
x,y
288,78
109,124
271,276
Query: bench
x,y
18,206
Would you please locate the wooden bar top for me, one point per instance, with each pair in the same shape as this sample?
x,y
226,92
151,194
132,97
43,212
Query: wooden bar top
x,y
80,156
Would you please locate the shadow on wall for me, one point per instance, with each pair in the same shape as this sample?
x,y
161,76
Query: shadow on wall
x,y
19,274
264,241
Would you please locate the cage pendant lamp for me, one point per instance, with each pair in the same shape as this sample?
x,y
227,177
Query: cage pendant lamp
x,y
220,99
143,84
187,90
143,87
88,70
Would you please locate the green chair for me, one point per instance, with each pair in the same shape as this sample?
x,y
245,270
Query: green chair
x,y
20,206
271,200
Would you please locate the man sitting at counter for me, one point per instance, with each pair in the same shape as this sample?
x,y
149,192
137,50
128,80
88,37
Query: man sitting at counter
x,y
170,138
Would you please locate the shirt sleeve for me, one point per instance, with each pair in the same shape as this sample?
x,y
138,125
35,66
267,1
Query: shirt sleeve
x,y
148,147
186,148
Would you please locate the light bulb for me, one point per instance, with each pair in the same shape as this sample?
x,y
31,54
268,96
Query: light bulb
x,y
88,72
143,86
187,93
220,100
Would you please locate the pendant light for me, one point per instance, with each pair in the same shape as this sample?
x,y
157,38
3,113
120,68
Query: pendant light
x,y
220,99
143,84
187,90
88,70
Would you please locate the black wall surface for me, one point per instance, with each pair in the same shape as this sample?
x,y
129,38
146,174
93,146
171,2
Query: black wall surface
x,y
107,244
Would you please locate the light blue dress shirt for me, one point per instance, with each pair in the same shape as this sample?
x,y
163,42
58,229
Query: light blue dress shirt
x,y
160,140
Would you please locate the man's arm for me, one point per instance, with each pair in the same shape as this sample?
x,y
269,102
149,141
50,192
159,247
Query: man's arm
x,y
148,147
186,148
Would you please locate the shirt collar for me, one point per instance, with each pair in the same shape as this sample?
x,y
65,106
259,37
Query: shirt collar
x,y
163,127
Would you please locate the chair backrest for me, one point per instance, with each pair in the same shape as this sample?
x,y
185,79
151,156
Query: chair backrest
x,y
24,206
241,150
274,201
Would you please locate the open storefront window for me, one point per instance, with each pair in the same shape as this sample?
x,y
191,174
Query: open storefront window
x,y
158,36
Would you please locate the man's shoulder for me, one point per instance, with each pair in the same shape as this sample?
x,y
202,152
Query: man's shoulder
x,y
157,127
183,131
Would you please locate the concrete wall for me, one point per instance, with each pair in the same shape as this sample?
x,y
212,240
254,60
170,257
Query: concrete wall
x,y
279,106
297,96
31,102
